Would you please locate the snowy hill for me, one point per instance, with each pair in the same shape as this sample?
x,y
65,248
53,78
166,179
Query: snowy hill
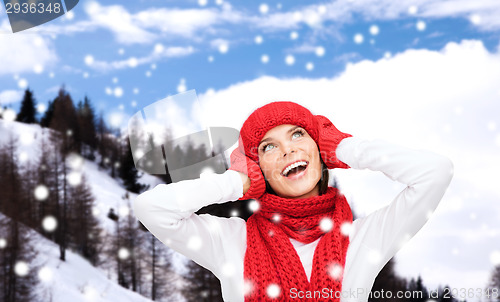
x,y
76,279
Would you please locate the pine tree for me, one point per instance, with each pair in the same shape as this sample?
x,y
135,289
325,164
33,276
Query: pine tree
x,y
83,226
387,280
87,125
201,284
27,112
47,116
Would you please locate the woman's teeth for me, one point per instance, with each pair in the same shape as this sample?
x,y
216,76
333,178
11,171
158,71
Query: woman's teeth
x,y
292,166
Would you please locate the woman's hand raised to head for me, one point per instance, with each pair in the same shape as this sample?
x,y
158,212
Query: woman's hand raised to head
x,y
246,182
254,185
329,139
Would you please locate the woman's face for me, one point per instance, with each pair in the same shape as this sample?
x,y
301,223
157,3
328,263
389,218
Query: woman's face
x,y
289,159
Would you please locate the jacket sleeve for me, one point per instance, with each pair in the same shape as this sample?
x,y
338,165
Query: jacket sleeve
x,y
426,176
167,211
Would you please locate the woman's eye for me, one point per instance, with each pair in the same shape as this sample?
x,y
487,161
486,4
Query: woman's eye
x,y
267,147
297,134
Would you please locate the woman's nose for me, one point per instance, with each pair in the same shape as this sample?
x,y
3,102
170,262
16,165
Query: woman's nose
x,y
287,150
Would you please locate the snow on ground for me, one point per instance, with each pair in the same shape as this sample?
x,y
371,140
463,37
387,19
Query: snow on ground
x,y
76,279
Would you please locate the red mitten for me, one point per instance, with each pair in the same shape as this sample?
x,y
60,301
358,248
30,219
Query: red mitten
x,y
243,164
328,139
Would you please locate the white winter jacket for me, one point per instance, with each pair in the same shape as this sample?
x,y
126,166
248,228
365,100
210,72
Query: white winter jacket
x,y
219,244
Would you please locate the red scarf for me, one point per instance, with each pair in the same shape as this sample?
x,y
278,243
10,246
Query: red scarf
x,y
272,266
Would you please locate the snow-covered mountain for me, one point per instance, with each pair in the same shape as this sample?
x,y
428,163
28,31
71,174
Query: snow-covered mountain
x,y
76,279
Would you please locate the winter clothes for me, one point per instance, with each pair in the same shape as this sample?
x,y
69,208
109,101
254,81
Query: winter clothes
x,y
219,244
263,119
270,259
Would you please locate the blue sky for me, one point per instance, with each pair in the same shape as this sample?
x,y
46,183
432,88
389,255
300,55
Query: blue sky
x,y
420,73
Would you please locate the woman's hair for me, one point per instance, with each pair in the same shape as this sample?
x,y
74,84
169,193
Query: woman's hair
x,y
323,182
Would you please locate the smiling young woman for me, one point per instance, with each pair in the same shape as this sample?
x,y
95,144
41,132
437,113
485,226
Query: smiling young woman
x,y
300,242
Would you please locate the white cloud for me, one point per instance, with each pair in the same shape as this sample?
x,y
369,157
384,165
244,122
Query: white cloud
x,y
10,96
21,51
132,62
422,99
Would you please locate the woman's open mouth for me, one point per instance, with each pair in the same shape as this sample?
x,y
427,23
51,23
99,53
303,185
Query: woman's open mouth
x,y
295,170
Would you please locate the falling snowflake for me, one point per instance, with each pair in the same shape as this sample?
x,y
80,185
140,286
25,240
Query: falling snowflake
x,y
75,161
74,178
21,268
121,51
38,68
27,138
297,16
70,15
495,258
132,62
136,91
9,115
210,59
108,91
96,211
320,51
412,10
153,66
358,38
290,60
148,73
346,228
159,48
309,66
259,39
264,8
322,9
335,271
89,60
182,86
276,218
273,291
254,205
45,274
247,287
3,243
41,192
22,83
202,2
51,75
49,223
123,253
387,54
264,59
475,19
118,92
223,48
421,25
85,75
374,30
23,157
90,293
234,213
194,243
124,211
294,35
326,224
219,2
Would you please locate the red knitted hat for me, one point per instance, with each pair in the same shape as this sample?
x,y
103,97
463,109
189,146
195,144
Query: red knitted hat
x,y
269,116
